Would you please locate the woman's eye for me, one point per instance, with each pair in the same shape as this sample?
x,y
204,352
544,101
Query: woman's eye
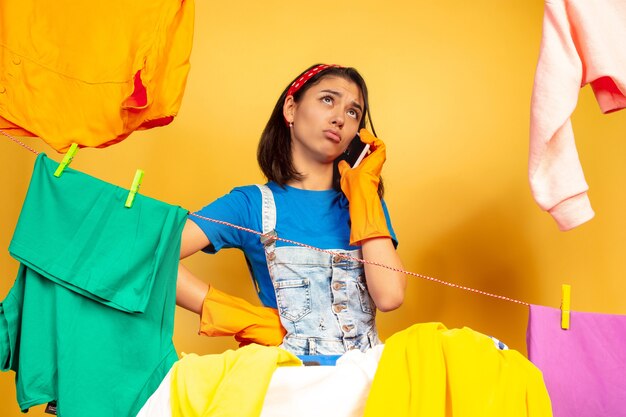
x,y
327,99
353,113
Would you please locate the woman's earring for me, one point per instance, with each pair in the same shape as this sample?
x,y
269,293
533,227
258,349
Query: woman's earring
x,y
290,124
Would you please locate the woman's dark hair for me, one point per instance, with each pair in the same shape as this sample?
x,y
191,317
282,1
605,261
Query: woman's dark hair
x,y
274,150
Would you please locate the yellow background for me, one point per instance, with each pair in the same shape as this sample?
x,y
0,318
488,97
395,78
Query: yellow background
x,y
450,86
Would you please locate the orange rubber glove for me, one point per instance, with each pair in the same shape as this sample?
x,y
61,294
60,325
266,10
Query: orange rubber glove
x,y
360,185
226,315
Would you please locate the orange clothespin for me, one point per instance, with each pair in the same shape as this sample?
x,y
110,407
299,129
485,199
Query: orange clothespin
x,y
565,305
67,159
134,188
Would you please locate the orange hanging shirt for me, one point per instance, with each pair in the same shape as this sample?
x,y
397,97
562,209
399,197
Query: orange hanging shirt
x,y
92,72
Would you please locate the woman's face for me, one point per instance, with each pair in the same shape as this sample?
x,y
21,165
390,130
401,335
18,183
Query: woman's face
x,y
326,118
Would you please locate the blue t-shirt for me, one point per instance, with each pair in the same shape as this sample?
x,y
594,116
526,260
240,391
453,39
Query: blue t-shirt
x,y
316,218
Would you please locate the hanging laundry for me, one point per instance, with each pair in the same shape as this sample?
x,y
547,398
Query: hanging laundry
x,y
92,72
159,404
582,43
428,370
89,320
584,366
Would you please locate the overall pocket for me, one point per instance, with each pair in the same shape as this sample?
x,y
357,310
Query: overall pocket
x,y
367,304
293,298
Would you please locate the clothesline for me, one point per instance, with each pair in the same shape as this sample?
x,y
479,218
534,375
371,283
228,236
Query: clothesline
x,y
363,261
19,142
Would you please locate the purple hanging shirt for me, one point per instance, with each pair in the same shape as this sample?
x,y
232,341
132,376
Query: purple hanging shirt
x,y
584,368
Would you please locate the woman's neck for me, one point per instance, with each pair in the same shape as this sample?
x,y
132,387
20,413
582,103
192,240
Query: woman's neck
x,y
315,177
310,184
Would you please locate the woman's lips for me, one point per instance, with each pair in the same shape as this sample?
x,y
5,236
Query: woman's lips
x,y
332,135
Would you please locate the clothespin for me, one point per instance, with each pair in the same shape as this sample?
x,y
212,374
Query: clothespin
x,y
565,305
134,188
66,160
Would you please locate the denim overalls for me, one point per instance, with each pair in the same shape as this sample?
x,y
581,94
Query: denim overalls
x,y
322,299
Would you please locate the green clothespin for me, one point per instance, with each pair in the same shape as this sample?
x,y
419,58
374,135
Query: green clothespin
x,y
134,188
66,160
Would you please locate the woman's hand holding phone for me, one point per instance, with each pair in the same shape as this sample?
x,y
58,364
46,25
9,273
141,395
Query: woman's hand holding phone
x,y
360,185
355,152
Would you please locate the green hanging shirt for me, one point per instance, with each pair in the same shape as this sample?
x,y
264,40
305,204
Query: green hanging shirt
x,y
89,320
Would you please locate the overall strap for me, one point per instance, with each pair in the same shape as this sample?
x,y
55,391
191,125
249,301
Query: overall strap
x,y
268,216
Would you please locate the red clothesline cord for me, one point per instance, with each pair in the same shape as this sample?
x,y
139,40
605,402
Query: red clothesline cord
x,y
363,261
19,142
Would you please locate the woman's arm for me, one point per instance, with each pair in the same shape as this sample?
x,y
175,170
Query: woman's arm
x,y
369,225
190,290
386,287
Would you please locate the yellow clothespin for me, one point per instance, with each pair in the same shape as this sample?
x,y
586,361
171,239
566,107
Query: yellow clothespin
x,y
565,305
66,160
134,188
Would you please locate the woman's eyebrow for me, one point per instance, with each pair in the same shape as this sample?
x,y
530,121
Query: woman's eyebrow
x,y
339,94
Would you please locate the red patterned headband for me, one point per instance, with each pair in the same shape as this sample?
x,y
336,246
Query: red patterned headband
x,y
297,84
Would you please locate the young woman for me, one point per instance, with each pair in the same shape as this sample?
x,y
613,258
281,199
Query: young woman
x,y
327,303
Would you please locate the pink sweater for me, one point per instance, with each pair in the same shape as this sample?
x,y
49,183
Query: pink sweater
x,y
584,41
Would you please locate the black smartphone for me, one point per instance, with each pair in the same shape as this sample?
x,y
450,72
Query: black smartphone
x,y
355,152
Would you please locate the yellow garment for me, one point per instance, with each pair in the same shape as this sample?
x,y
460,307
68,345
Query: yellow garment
x,y
225,315
428,370
92,72
233,383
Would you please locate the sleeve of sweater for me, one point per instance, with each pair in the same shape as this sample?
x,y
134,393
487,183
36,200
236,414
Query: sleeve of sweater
x,y
556,178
